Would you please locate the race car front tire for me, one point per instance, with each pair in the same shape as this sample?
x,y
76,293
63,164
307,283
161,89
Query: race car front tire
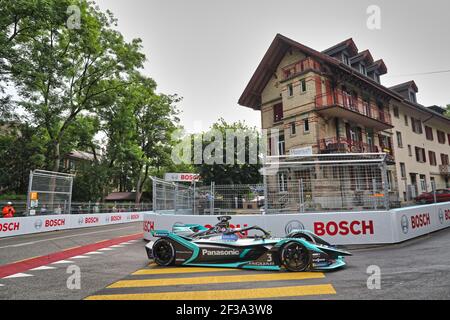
x,y
163,252
295,257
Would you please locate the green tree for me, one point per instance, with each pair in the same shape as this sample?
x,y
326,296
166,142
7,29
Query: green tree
x,y
237,173
66,72
139,129
22,148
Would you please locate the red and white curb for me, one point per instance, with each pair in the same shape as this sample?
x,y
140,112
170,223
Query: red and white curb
x,y
48,262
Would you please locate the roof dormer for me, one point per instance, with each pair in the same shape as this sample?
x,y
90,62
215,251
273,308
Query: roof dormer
x,y
407,90
376,69
362,61
343,51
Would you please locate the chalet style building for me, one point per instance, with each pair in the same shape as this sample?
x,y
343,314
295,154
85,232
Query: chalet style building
x,y
333,102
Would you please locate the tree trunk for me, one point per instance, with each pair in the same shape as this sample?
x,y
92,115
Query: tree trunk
x,y
56,156
140,184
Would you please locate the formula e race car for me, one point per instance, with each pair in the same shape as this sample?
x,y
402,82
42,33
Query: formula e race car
x,y
246,248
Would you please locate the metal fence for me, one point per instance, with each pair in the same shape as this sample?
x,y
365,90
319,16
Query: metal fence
x,y
82,208
171,196
329,182
292,184
49,191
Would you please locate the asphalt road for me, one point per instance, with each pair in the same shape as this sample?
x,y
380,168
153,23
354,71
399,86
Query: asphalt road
x,y
416,269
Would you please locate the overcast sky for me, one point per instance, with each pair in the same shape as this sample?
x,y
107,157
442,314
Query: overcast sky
x,y
207,50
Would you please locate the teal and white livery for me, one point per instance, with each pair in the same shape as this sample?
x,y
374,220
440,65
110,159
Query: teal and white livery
x,y
246,248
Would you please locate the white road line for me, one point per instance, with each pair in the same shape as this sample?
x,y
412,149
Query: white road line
x,y
80,257
106,249
42,268
18,275
62,262
2,285
65,237
117,246
94,252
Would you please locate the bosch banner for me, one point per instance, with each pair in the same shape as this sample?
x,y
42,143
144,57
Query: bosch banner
x,y
343,228
35,224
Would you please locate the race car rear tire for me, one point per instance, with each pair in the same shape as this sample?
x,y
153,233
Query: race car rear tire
x,y
163,252
296,257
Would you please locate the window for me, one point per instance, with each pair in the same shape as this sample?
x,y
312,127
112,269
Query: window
x,y
403,170
399,139
416,125
366,108
429,133
293,128
306,125
302,85
362,69
423,182
440,136
409,150
406,120
278,112
376,77
345,59
281,145
444,159
432,183
282,182
420,155
290,90
412,96
270,146
432,157
390,181
396,114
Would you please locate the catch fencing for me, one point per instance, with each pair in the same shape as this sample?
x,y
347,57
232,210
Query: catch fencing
x,y
49,191
292,184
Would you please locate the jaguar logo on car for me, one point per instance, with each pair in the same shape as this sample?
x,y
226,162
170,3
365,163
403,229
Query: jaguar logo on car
x,y
232,252
441,216
293,225
38,224
404,224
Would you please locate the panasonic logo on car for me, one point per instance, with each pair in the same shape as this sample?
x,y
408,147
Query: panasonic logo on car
x,y
207,252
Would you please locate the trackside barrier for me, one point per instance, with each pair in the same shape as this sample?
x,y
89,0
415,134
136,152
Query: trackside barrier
x,y
343,228
36,224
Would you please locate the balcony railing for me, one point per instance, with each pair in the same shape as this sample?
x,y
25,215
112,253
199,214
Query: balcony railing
x,y
299,67
345,100
344,145
444,169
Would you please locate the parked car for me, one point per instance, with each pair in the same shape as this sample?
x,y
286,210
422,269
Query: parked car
x,y
442,195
